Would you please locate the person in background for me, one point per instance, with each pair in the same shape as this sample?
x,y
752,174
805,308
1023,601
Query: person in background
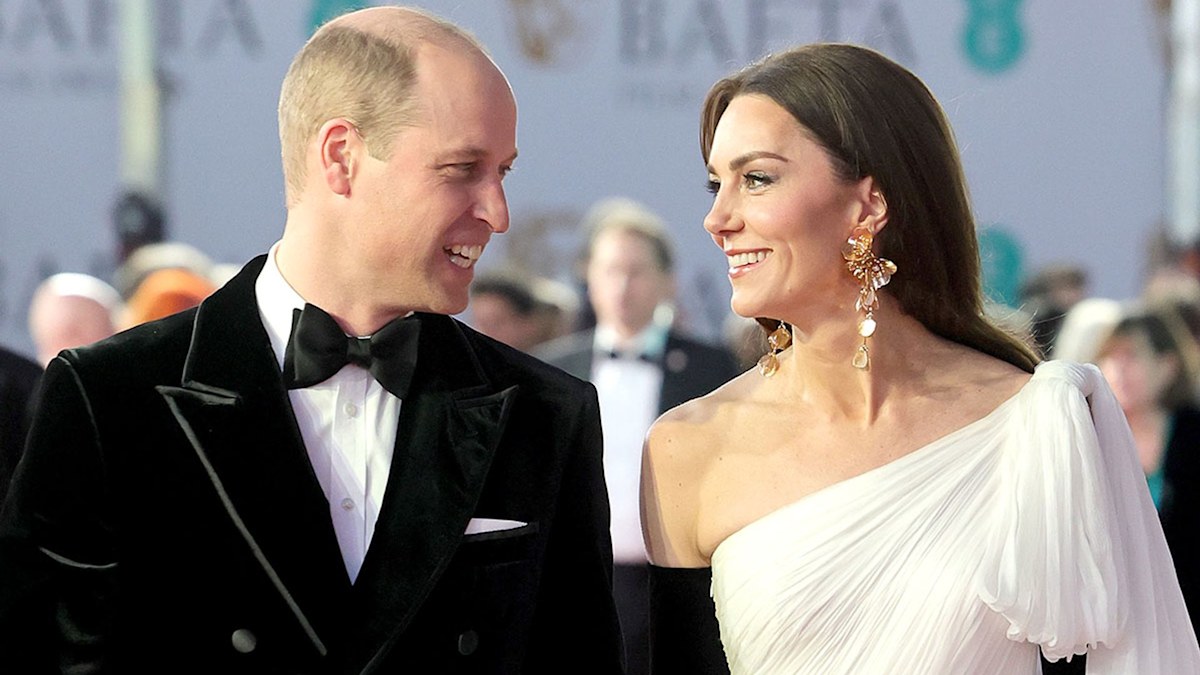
x,y
1047,296
164,255
1083,327
165,292
641,367
1152,362
522,312
71,310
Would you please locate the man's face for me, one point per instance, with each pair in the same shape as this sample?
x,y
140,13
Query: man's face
x,y
625,283
422,218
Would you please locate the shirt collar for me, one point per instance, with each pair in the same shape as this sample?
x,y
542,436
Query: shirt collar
x,y
276,301
651,342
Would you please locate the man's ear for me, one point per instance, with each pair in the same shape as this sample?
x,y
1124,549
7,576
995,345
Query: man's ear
x,y
873,207
340,150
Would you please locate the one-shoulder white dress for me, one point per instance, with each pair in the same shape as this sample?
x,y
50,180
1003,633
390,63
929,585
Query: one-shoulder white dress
x,y
1031,527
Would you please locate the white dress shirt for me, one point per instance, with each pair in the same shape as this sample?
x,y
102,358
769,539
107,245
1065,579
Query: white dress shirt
x,y
629,388
348,423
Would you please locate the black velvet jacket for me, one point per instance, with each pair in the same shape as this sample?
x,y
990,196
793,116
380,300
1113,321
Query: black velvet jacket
x,y
166,517
18,383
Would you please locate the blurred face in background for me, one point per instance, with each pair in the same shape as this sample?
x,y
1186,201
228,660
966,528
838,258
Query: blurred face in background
x,y
625,281
495,316
1138,375
58,322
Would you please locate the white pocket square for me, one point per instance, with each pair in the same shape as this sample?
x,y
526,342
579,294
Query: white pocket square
x,y
481,525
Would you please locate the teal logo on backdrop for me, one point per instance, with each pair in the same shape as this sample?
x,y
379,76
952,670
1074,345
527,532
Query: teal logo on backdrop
x,y
1002,259
993,37
324,10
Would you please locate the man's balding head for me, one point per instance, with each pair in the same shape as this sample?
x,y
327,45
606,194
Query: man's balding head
x,y
361,66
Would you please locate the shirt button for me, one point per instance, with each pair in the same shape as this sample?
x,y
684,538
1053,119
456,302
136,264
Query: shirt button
x,y
468,642
348,504
243,641
351,410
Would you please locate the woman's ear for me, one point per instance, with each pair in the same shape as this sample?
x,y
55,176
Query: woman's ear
x,y
873,207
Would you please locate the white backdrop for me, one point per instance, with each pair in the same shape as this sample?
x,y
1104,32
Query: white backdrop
x,y
1057,106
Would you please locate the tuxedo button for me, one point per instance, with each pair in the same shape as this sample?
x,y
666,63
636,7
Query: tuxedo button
x,y
676,360
468,642
351,410
243,641
348,504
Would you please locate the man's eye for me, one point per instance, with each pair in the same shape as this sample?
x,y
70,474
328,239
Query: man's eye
x,y
460,168
713,186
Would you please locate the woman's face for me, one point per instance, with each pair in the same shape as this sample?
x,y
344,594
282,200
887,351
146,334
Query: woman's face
x,y
1137,375
779,212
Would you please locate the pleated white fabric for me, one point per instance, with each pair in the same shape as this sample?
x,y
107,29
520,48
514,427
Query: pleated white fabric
x,y
1030,527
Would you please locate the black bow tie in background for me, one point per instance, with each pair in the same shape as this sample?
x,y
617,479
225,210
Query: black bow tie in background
x,y
317,349
628,356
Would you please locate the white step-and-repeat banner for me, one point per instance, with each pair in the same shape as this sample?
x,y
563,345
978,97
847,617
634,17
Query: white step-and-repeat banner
x,y
1057,106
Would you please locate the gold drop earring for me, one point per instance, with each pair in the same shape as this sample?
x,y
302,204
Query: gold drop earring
x,y
779,340
872,273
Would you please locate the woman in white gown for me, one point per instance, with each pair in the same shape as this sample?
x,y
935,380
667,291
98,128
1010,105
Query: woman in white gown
x,y
903,489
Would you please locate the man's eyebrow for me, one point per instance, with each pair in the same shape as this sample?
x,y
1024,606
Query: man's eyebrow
x,y
469,153
741,160
459,154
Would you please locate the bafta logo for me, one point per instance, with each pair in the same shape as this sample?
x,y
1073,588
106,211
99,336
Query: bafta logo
x,y
554,33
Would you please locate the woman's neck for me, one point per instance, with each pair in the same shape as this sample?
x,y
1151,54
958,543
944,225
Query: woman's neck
x,y
818,368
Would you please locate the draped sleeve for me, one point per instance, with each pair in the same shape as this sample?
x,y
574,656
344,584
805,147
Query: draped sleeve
x,y
1078,562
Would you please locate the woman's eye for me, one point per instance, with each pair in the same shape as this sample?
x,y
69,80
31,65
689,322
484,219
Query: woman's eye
x,y
755,180
713,186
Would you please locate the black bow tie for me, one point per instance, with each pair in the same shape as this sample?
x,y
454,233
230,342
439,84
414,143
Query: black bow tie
x,y
318,349
629,356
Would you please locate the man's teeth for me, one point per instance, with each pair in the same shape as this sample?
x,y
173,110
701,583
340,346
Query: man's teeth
x,y
746,258
464,256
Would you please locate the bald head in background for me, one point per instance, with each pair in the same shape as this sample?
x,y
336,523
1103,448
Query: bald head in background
x,y
71,310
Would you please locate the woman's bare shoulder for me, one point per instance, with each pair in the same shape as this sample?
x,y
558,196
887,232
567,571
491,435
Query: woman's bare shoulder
x,y
687,436
679,450
986,372
974,382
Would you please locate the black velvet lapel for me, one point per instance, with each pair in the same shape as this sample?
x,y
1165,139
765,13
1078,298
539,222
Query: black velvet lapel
x,y
232,406
450,425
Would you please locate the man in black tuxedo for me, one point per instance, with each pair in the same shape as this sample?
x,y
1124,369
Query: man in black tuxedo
x,y
641,368
243,488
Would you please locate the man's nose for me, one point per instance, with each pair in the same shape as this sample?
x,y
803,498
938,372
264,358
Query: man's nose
x,y
491,206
